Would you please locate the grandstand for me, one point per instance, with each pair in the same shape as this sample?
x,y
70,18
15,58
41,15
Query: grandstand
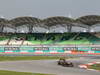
x,y
48,39
53,34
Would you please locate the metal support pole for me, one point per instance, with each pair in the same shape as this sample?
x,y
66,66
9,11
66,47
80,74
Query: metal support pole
x,y
88,29
30,28
69,28
1,28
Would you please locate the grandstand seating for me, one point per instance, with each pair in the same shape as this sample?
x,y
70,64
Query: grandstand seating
x,y
50,38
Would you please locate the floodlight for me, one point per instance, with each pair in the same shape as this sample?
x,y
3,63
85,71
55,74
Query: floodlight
x,y
22,31
84,30
61,31
47,32
91,30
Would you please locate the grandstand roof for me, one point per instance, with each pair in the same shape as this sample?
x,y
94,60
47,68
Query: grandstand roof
x,y
25,20
3,21
84,21
57,20
89,20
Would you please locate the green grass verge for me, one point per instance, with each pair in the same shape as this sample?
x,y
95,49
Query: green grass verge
x,y
75,42
35,42
2,72
63,42
41,42
95,66
15,58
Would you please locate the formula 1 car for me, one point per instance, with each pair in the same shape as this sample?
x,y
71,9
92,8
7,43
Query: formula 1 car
x,y
65,63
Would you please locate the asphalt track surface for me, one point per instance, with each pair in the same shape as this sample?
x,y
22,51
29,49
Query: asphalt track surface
x,y
49,66
62,54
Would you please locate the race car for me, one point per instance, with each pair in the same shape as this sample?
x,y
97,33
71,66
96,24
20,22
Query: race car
x,y
65,63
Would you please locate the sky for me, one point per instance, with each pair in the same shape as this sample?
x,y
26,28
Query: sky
x,y
48,8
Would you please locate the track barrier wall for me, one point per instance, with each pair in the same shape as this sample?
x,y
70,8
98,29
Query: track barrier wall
x,y
51,50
